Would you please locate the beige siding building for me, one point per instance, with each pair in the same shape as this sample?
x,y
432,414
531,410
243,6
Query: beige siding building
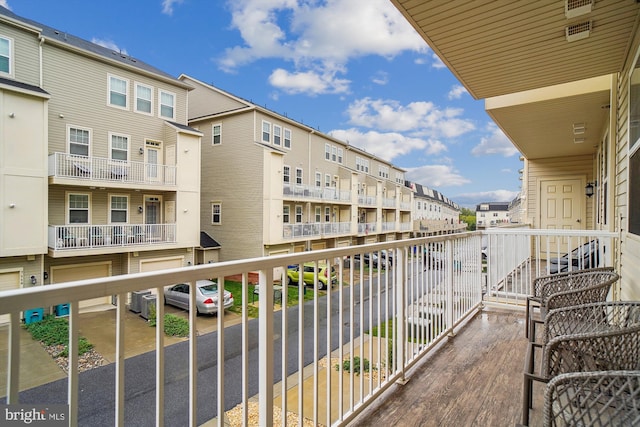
x,y
570,105
100,173
271,185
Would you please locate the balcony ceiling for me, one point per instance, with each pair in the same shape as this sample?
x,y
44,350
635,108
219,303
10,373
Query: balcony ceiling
x,y
499,48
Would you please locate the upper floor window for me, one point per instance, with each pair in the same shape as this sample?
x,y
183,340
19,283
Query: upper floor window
x,y
327,180
119,209
167,105
298,213
362,164
118,89
78,208
286,174
216,132
287,138
216,213
383,172
277,135
327,152
79,141
399,177
286,212
266,132
5,55
318,179
144,98
340,155
119,147
318,214
334,153
298,176
634,150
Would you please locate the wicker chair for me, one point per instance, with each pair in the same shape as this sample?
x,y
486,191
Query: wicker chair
x,y
605,398
591,337
565,289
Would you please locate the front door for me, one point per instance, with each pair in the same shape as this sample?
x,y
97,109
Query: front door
x,y
561,208
153,160
153,217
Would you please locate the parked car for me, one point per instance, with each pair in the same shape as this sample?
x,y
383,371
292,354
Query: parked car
x,y
206,296
371,259
585,256
387,256
326,275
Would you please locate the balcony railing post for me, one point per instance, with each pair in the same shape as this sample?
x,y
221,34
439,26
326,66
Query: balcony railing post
x,y
265,348
449,261
401,314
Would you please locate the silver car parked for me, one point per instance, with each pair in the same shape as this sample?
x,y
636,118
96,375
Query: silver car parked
x,y
206,296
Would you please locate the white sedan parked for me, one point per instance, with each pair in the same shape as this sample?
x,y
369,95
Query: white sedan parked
x,y
206,296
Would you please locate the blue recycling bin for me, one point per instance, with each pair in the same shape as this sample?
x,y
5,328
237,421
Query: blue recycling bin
x,y
33,315
62,310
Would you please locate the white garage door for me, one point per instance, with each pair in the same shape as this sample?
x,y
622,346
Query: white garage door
x,y
82,272
160,264
9,280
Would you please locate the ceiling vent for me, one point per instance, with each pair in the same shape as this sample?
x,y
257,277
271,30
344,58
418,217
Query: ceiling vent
x,y
578,31
573,8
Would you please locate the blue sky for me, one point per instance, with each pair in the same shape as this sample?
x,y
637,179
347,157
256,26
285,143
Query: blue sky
x,y
354,69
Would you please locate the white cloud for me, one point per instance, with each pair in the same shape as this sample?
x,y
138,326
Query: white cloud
x,y
167,6
434,176
423,118
389,145
496,143
473,199
456,92
317,37
380,78
4,3
309,82
109,44
437,62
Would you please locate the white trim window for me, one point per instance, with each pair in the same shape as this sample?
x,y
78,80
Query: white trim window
x,y
6,56
118,90
166,104
277,135
634,150
119,209
340,155
286,214
318,214
216,213
318,179
327,214
119,149
362,164
334,153
327,180
266,132
144,99
298,214
287,138
327,152
78,208
286,174
298,176
216,134
383,171
79,141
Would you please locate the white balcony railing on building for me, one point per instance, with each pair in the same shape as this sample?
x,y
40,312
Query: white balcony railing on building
x,y
389,226
405,206
427,287
317,193
366,227
367,200
85,236
336,228
388,202
292,231
406,226
64,165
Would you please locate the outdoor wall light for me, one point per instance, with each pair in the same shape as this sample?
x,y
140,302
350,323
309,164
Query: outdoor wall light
x,y
141,151
589,189
34,280
45,275
140,209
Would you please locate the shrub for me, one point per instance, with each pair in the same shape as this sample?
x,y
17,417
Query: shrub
x,y
346,365
55,331
175,326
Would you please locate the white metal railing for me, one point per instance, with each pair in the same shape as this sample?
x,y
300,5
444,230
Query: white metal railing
x,y
426,288
406,226
65,165
292,231
366,227
516,256
388,202
405,206
334,228
88,236
367,200
320,193
389,226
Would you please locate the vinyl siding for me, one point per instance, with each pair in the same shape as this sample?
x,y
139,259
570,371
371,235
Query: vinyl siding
x,y
26,65
118,262
206,101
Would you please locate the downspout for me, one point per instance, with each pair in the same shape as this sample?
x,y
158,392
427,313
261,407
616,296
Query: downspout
x,y
40,60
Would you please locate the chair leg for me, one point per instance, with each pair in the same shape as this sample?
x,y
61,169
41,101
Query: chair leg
x,y
526,400
526,319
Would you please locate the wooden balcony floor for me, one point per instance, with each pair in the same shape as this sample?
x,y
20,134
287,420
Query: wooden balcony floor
x,y
474,379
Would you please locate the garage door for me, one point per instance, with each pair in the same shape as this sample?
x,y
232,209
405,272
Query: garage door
x,y
160,264
9,280
82,272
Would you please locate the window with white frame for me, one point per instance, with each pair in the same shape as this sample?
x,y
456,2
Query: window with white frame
x,y
286,174
287,138
119,147
327,214
286,212
118,89
298,214
6,55
298,176
167,107
216,132
399,177
79,141
266,132
119,212
78,208
144,98
383,172
362,164
318,179
327,180
277,135
216,213
334,153
327,152
340,155
318,214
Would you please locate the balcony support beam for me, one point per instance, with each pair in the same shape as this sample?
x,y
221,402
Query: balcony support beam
x,y
265,358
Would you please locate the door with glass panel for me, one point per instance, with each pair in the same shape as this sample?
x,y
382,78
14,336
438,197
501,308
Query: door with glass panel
x,y
153,218
153,161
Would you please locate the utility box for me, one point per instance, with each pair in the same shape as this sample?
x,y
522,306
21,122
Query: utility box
x,y
62,310
136,300
148,301
33,315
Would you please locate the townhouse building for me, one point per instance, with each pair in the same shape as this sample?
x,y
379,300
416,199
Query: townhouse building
x,y
100,174
271,185
492,214
434,213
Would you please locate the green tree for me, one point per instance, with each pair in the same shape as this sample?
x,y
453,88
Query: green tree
x,y
468,216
